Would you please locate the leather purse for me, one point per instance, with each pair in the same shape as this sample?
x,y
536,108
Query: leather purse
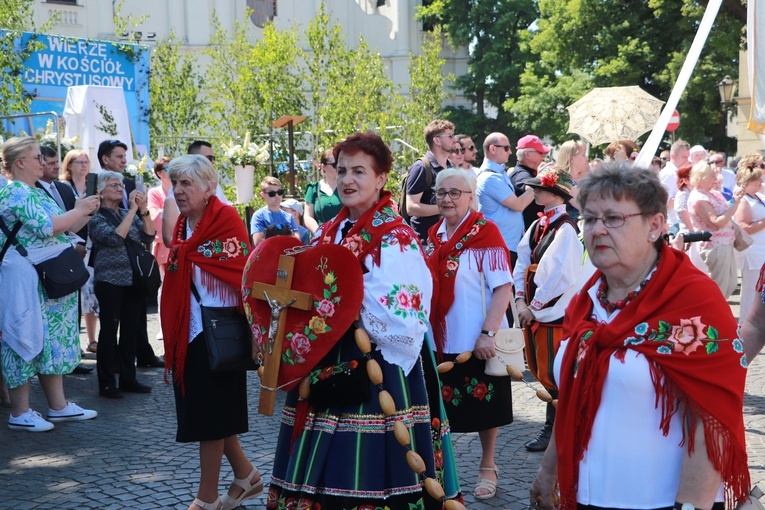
x,y
508,342
228,337
61,275
743,240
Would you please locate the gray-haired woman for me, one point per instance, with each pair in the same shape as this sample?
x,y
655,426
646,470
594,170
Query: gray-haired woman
x,y
119,299
644,418
40,335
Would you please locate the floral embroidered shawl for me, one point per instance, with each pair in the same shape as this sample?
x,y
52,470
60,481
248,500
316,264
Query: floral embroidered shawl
x,y
219,247
475,233
365,238
695,358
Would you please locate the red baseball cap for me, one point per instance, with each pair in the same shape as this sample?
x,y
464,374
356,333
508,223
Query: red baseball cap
x,y
532,142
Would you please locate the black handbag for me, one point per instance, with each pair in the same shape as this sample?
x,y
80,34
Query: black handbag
x,y
61,275
145,268
146,278
228,337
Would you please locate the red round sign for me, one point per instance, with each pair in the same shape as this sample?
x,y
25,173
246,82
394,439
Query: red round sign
x,y
674,121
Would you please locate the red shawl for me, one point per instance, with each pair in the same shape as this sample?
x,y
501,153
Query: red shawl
x,y
219,247
479,235
680,323
365,237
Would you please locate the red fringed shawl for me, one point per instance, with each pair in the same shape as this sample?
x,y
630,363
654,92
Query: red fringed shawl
x,y
475,233
681,324
365,237
219,247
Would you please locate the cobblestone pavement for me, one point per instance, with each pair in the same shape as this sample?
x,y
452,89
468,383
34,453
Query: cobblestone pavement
x,y
127,457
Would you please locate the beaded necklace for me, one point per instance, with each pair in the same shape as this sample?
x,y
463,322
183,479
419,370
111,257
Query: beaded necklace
x,y
620,304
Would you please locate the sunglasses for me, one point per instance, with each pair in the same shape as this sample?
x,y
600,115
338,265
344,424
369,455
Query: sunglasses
x,y
211,158
506,147
471,148
458,150
273,193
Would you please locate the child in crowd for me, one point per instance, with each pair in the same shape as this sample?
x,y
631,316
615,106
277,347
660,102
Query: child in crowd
x,y
295,209
271,190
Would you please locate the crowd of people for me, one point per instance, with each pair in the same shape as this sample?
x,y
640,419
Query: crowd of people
x,y
592,254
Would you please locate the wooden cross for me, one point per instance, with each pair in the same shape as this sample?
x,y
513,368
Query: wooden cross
x,y
284,297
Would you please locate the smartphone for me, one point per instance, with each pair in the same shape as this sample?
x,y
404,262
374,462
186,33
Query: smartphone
x,y
139,183
90,184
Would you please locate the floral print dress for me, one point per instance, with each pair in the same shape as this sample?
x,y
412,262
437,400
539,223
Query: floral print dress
x,y
61,350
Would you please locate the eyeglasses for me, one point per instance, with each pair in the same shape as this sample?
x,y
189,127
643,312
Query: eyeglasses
x,y
273,193
115,185
38,157
454,194
506,147
447,135
610,220
458,150
210,158
333,164
81,161
760,165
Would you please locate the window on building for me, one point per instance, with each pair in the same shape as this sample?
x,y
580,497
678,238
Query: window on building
x,y
65,2
263,11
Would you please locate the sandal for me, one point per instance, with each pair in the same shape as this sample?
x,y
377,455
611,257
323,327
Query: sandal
x,y
486,484
215,505
249,490
92,347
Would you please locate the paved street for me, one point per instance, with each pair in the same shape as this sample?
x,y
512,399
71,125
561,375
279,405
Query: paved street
x,y
127,457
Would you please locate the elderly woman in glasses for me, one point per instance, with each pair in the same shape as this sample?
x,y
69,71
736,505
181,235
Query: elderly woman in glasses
x,y
750,216
710,211
118,298
469,258
644,418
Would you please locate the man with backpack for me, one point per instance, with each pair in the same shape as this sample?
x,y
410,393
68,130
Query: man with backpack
x,y
418,203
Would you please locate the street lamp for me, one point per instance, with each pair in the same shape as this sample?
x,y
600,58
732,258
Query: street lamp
x,y
726,88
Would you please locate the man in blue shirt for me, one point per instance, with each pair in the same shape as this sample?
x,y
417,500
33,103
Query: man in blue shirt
x,y
496,194
271,214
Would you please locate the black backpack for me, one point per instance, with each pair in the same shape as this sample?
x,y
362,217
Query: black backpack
x,y
428,184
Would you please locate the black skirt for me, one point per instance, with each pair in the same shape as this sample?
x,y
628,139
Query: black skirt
x,y
214,405
473,400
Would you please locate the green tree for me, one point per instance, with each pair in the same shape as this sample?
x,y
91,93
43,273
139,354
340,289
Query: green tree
x,y
175,90
580,44
16,16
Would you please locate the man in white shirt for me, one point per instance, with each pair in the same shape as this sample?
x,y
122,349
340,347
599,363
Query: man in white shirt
x,y
678,154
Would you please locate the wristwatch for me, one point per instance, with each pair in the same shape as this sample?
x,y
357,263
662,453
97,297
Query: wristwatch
x,y
143,213
491,334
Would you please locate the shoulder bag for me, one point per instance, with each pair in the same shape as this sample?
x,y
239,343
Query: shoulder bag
x,y
508,342
228,337
742,240
60,275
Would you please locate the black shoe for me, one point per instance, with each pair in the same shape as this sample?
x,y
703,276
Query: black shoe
x,y
82,369
110,392
157,362
134,387
539,443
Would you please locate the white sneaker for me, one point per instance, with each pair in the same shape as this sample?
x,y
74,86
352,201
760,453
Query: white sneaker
x,y
30,420
72,412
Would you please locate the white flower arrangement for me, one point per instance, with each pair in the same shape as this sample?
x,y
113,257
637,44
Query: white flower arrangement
x,y
135,168
48,139
246,153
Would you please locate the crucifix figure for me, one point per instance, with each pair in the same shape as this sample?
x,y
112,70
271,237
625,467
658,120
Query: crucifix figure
x,y
280,292
276,311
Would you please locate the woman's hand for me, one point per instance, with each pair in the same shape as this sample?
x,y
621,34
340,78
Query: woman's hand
x,y
526,317
137,201
542,493
738,193
484,347
87,205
